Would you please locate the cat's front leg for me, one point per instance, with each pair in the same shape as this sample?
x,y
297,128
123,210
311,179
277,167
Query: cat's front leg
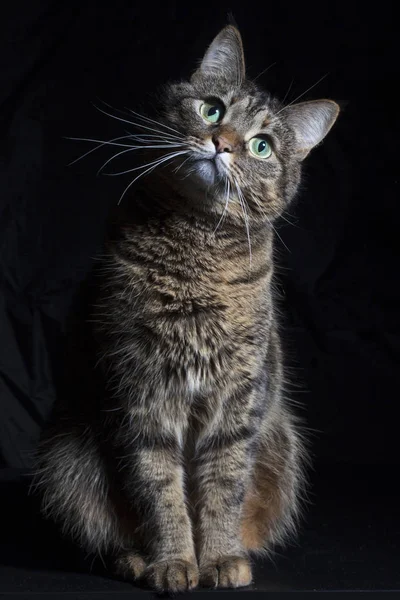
x,y
156,487
224,468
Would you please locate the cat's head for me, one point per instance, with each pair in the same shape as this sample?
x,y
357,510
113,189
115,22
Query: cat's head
x,y
239,139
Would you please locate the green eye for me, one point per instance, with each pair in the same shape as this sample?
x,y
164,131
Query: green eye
x,y
211,112
260,147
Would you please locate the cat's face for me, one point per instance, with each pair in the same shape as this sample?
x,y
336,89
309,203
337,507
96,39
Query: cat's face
x,y
239,140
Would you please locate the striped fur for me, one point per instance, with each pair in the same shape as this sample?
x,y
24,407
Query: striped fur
x,y
193,458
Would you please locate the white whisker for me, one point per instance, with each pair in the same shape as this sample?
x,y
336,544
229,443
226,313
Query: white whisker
x,y
264,71
282,216
144,117
162,136
151,138
227,192
130,150
97,147
102,142
112,158
303,94
245,217
148,170
154,121
270,222
133,123
277,234
288,90
146,165
181,165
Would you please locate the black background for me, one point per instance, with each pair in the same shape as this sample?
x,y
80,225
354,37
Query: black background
x,y
338,262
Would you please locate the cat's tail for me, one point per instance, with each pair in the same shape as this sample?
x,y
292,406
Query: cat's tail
x,y
72,480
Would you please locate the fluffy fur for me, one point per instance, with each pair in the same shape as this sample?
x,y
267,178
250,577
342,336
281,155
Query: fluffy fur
x,y
192,458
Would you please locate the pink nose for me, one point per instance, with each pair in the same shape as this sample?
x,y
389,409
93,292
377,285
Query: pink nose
x,y
222,145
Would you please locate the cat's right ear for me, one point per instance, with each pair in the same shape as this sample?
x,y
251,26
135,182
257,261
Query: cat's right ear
x,y
224,57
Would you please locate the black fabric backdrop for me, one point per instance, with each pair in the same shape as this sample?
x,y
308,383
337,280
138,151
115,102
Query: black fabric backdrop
x,y
339,273
338,262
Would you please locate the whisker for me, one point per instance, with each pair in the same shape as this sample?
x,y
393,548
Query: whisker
x,y
162,136
112,158
277,234
247,222
149,137
282,216
102,142
189,172
228,191
94,149
130,122
148,119
147,170
274,228
288,90
130,150
181,165
303,94
128,146
265,70
245,217
145,118
259,205
145,165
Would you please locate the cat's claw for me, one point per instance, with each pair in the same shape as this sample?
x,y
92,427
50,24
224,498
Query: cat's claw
x,y
226,572
172,576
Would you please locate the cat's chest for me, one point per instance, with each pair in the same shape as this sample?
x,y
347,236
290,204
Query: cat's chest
x,y
192,331
203,337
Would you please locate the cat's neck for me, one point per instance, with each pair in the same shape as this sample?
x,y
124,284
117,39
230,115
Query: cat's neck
x,y
168,193
161,206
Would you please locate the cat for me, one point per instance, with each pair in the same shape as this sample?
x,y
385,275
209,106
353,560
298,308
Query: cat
x,y
192,460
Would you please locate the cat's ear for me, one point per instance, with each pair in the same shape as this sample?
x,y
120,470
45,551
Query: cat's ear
x,y
224,57
310,122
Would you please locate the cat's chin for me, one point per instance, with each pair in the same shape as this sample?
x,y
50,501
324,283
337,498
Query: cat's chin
x,y
206,172
202,181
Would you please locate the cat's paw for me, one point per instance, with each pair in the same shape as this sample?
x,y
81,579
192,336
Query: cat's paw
x,y
226,572
172,576
130,565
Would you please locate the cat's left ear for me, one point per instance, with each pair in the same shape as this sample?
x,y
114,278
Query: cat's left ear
x,y
224,57
311,121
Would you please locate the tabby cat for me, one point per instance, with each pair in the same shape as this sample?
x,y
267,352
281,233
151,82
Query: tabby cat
x,y
192,459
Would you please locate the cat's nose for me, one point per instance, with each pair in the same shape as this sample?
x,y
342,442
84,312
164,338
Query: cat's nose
x,y
222,144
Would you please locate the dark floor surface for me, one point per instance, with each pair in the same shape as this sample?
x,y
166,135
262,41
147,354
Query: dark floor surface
x,y
350,540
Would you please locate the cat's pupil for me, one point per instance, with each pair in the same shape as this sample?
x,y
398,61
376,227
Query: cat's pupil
x,y
261,146
213,111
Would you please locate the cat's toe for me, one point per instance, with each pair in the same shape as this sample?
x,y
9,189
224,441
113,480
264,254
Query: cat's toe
x,y
172,576
226,572
130,565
